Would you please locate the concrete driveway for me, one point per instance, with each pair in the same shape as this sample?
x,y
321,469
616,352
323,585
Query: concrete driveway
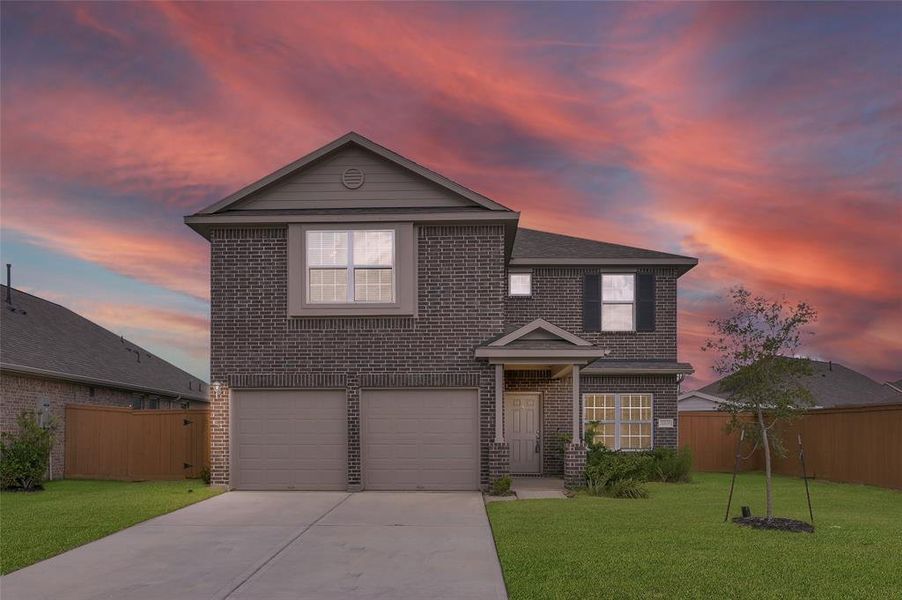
x,y
280,545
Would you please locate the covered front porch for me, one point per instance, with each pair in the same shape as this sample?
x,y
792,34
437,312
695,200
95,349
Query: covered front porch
x,y
538,419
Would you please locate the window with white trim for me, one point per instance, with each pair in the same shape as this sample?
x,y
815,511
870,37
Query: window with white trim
x,y
520,284
618,302
619,421
350,267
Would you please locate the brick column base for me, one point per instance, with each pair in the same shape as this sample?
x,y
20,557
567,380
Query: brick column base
x,y
499,461
575,465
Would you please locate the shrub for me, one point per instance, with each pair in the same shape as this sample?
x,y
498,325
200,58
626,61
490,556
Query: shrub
x,y
617,474
626,488
205,475
501,486
670,466
25,456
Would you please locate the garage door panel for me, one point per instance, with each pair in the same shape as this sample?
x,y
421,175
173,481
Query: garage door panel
x,y
290,439
420,439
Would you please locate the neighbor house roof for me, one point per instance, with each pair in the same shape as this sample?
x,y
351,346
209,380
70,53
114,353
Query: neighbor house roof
x,y
45,339
831,384
534,248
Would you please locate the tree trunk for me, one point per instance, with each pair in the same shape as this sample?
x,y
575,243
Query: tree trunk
x,y
767,482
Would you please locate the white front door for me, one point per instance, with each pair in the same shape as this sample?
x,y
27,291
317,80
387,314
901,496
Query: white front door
x,y
523,432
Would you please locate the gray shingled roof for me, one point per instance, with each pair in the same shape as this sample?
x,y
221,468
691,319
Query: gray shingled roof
x,y
531,243
833,384
40,336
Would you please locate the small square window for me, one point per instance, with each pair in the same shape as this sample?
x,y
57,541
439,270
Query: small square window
x,y
520,284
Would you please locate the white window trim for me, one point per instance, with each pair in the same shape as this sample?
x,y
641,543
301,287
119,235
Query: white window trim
x,y
618,421
351,266
616,302
510,291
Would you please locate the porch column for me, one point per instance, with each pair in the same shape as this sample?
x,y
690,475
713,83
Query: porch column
x,y
499,404
577,437
575,451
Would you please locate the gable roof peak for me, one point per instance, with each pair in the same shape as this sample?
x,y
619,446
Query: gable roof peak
x,y
540,325
352,137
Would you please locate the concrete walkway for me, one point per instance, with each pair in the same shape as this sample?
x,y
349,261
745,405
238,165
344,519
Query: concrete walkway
x,y
280,545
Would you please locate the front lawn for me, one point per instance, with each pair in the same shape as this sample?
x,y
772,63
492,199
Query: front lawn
x,y
675,544
35,526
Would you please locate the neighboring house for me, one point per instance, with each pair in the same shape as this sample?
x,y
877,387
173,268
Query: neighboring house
x,y
51,357
831,384
375,325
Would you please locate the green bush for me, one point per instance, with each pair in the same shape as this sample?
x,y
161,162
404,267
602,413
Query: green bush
x,y
501,486
617,474
25,456
671,466
205,475
626,488
621,474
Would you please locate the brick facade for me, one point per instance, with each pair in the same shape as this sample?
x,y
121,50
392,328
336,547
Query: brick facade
x,y
23,393
557,297
557,401
462,303
461,291
663,388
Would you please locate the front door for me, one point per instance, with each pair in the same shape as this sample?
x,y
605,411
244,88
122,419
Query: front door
x,y
523,432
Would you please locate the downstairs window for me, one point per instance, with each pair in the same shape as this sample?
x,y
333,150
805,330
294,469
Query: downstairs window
x,y
620,421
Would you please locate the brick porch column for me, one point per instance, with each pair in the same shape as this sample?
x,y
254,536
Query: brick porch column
x,y
499,461
499,450
575,465
219,434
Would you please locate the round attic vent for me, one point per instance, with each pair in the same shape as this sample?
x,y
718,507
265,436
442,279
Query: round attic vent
x,y
352,178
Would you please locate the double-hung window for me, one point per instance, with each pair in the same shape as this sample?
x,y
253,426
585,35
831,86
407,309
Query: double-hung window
x,y
619,421
618,302
350,267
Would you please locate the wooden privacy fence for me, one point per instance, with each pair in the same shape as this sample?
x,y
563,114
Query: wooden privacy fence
x,y
853,444
104,442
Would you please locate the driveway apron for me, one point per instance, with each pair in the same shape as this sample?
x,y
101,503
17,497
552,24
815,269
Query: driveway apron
x,y
275,545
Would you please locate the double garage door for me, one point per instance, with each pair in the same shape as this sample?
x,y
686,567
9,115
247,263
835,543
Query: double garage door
x,y
410,439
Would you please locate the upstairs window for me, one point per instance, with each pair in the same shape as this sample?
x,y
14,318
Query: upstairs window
x,y
520,284
351,267
618,302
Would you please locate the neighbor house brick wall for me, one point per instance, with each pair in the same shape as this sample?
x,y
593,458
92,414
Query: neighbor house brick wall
x,y
24,393
663,388
557,295
461,289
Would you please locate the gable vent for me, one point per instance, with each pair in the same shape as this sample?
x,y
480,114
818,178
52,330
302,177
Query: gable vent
x,y
352,178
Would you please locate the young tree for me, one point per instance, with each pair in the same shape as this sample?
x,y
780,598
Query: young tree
x,y
755,344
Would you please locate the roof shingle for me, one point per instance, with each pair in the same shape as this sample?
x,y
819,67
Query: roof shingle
x,y
39,335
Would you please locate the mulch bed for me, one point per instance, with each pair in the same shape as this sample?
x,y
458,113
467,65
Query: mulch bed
x,y
778,523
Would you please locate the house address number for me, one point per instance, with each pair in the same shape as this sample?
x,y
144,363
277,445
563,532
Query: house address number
x,y
665,423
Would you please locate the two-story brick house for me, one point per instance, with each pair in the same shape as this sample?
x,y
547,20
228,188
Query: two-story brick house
x,y
375,325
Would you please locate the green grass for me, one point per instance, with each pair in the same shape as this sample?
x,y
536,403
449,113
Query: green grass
x,y
35,526
675,544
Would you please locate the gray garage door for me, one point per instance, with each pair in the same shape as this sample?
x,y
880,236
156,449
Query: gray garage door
x,y
420,439
289,440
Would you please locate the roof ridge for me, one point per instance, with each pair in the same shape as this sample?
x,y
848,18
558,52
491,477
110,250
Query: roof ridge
x,y
584,239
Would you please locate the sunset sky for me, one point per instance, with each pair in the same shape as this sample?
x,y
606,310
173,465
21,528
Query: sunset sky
x,y
763,139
